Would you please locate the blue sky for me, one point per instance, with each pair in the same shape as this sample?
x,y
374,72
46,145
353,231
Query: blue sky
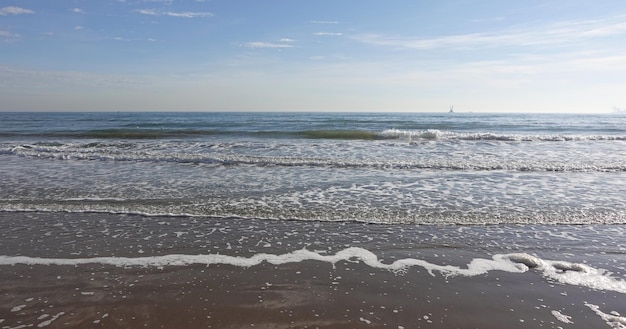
x,y
290,55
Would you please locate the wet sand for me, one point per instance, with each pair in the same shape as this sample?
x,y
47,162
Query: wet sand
x,y
307,294
298,294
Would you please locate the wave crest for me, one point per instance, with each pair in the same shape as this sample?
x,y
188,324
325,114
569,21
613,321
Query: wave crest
x,y
434,134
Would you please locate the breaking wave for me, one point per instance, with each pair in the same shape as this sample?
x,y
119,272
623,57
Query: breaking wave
x,y
434,134
212,155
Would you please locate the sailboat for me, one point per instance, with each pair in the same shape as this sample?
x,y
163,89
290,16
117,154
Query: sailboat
x,y
451,109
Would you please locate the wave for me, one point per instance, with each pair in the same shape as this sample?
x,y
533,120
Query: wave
x,y
321,210
129,153
434,134
157,131
559,271
150,132
340,134
154,131
143,133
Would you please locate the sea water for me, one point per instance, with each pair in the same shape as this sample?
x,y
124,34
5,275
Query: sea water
x,y
540,194
372,167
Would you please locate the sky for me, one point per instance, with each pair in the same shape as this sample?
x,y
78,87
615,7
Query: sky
x,y
322,55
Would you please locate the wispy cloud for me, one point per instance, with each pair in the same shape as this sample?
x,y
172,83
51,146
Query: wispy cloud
x,y
607,30
189,14
260,44
560,33
150,12
325,22
78,11
184,14
14,11
488,20
328,33
7,34
124,39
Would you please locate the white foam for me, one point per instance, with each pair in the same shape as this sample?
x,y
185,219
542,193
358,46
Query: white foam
x,y
562,317
571,273
18,308
434,134
560,271
48,322
612,320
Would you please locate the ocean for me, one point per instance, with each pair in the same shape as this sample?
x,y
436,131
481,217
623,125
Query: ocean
x,y
328,220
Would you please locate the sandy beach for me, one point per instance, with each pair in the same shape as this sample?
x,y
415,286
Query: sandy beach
x,y
303,295
298,293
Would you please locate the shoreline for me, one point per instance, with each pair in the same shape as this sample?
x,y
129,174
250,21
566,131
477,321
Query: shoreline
x,y
304,292
307,294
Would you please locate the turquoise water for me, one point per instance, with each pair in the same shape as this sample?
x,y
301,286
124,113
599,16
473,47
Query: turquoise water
x,y
437,168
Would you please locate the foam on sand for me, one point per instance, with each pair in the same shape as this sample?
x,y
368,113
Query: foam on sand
x,y
613,320
561,317
559,271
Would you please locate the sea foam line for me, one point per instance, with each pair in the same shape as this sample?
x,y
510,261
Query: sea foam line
x,y
559,271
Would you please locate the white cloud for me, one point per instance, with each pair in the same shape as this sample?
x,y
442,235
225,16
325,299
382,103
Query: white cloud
x,y
189,14
282,43
14,11
560,33
150,12
328,33
7,34
185,14
607,30
78,11
260,44
78,28
324,22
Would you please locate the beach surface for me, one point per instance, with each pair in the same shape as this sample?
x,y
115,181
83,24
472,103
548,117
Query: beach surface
x,y
90,270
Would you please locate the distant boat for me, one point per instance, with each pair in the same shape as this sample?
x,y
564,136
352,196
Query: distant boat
x,y
451,109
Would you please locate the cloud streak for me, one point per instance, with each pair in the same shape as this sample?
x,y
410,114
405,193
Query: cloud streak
x,y
189,14
561,33
328,33
14,11
184,14
325,22
7,34
150,12
260,44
